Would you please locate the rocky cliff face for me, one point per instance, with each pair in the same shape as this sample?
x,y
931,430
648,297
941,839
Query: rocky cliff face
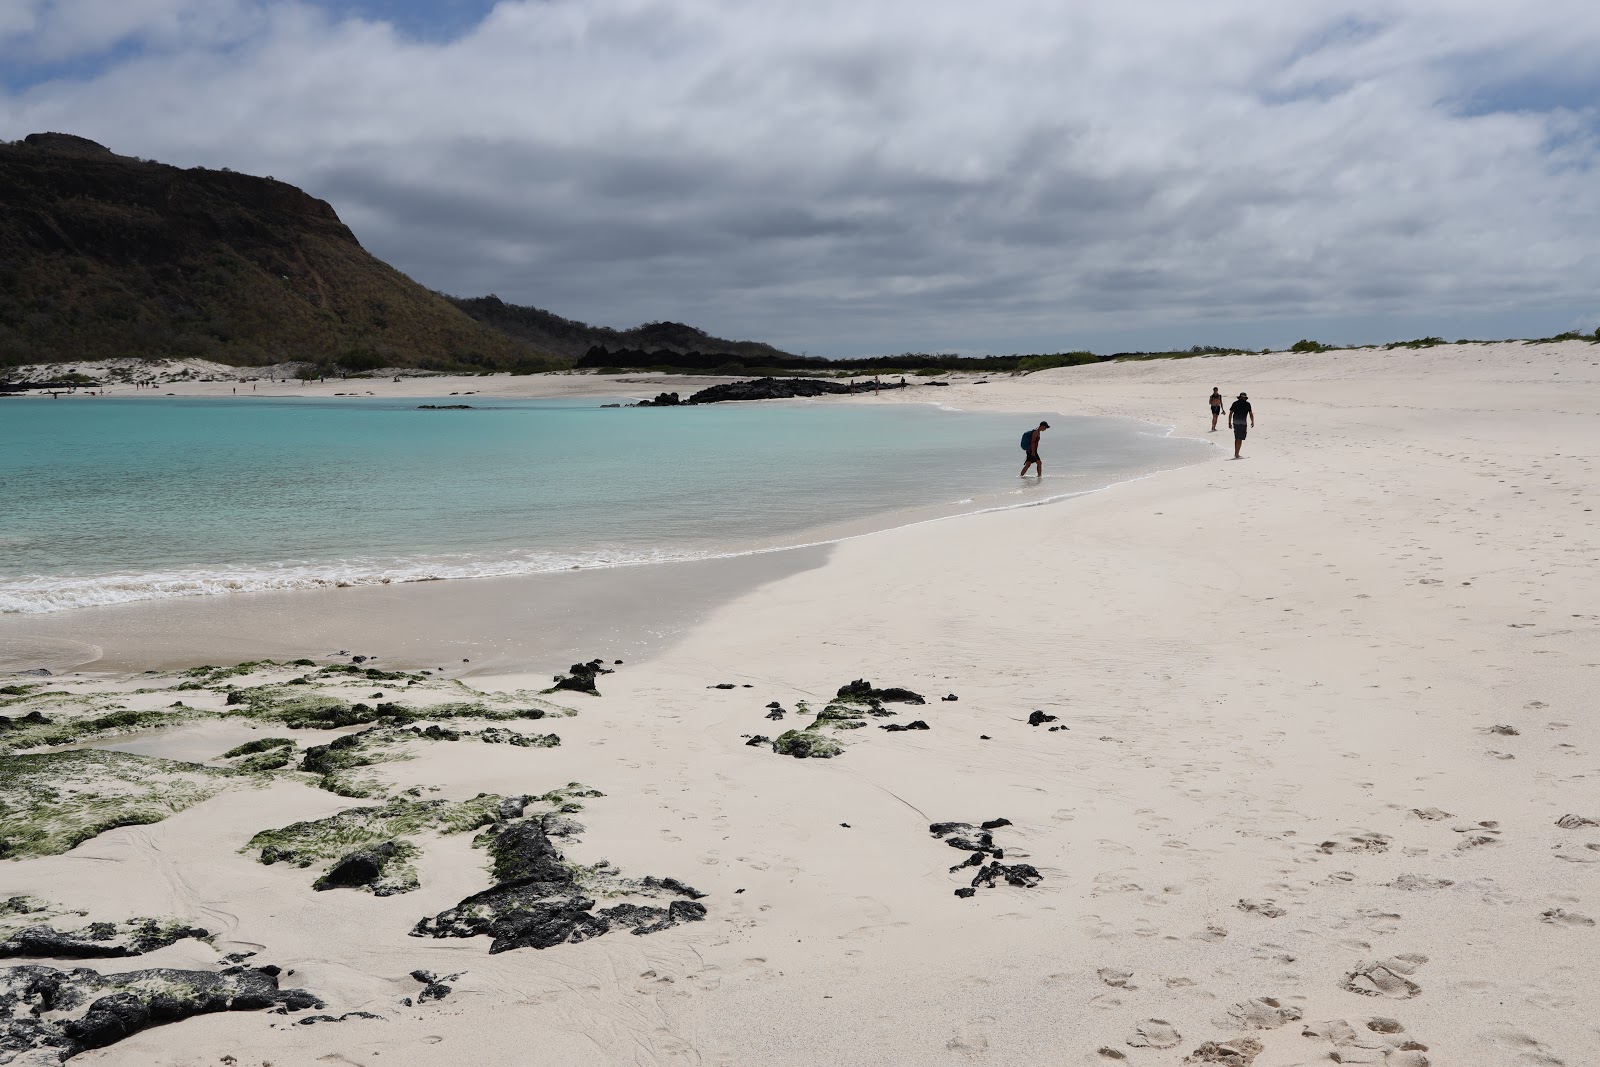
x,y
104,255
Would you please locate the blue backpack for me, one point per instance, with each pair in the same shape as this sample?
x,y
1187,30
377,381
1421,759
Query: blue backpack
x,y
1027,441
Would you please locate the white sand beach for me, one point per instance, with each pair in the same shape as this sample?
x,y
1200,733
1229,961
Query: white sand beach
x,y
1317,714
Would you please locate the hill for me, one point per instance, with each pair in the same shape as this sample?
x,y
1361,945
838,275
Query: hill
x,y
572,340
103,256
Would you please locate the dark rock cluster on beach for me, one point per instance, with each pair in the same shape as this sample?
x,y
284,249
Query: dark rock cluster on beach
x,y
434,987
979,840
538,902
46,1010
862,691
850,709
97,940
580,677
766,389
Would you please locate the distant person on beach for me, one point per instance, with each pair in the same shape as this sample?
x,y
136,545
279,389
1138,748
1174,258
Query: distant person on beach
x,y
1216,407
1030,445
1238,412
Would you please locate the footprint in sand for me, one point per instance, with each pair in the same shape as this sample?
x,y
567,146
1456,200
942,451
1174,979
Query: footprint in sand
x,y
971,1040
1431,814
1416,882
1265,908
1154,1033
1260,1013
1386,978
1562,917
1364,841
1530,1051
1375,1041
1235,1052
1113,977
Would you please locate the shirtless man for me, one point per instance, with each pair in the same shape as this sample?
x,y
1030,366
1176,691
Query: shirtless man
x,y
1216,407
1030,444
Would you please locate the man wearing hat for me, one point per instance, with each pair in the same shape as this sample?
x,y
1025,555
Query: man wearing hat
x,y
1030,445
1238,412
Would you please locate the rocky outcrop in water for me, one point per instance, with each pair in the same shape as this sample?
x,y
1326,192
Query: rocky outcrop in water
x,y
45,1011
766,389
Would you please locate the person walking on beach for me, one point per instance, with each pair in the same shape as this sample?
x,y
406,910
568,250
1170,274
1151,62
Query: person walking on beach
x,y
1030,445
1238,412
1216,407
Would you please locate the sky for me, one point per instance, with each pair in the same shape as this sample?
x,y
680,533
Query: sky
x,y
857,177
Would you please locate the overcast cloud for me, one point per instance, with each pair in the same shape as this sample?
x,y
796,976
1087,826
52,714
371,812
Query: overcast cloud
x,y
859,177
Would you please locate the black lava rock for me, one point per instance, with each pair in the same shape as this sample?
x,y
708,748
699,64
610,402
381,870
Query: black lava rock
x,y
100,940
1023,875
862,691
69,1012
962,835
897,727
580,677
759,739
433,986
974,860
537,902
951,697
361,867
662,400
995,824
1039,717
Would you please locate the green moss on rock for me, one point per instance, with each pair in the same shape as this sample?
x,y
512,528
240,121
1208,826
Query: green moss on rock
x,y
806,744
51,802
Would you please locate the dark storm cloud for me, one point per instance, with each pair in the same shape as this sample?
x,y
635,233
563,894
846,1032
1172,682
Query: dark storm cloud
x,y
843,177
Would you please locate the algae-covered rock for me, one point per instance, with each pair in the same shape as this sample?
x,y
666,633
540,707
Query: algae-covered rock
x,y
806,744
100,940
384,869
358,836
348,832
53,801
67,1012
264,744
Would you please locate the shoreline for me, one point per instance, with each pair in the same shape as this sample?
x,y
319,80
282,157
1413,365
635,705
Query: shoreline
x,y
276,582
1321,729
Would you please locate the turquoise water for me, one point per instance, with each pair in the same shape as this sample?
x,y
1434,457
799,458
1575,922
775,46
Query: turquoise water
x,y
109,500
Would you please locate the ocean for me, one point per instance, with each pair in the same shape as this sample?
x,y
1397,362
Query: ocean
x,y
114,500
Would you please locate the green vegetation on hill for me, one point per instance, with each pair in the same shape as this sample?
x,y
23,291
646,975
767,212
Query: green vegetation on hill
x,y
571,339
103,256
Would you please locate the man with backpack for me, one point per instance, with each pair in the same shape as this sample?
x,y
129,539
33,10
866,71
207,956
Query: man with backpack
x,y
1030,445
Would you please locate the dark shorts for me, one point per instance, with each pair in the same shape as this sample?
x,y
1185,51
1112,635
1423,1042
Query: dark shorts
x,y
1239,432
1216,409
1033,457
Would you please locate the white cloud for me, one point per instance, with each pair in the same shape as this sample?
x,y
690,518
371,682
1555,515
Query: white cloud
x,y
843,176
54,31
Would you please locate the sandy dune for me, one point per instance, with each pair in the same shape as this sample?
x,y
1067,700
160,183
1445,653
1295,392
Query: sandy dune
x,y
1319,713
